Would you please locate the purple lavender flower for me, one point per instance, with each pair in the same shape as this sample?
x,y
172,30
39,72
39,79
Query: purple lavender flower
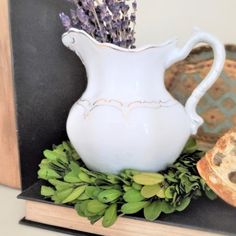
x,y
125,22
90,28
114,7
133,17
83,18
73,17
134,5
87,4
109,2
124,8
105,20
102,11
66,22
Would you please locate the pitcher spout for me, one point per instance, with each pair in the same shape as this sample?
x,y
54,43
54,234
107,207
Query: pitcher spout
x,y
81,43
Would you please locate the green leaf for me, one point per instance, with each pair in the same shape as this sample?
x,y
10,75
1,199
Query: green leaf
x,y
55,155
161,193
146,178
94,219
72,177
92,191
104,187
197,193
62,156
136,186
50,155
109,195
45,163
203,183
183,204
60,185
177,189
126,188
112,179
133,195
75,156
186,183
93,180
75,168
47,174
83,197
153,211
90,173
169,192
81,207
133,207
59,151
57,164
193,187
183,170
110,216
59,196
190,146
174,198
95,206
210,194
121,179
84,177
75,194
167,208
58,147
171,179
130,173
67,146
149,191
194,178
47,191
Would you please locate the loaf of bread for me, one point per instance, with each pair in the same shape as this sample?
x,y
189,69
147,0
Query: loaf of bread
x,y
218,167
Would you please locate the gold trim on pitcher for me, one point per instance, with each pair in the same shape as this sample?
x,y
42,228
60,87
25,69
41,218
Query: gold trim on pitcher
x,y
125,108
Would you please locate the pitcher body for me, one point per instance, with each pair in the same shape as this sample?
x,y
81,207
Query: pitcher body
x,y
126,118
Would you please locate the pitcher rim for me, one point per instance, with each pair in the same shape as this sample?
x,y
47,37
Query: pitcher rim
x,y
115,47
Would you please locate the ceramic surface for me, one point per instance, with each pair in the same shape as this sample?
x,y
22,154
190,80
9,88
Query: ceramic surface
x,y
126,118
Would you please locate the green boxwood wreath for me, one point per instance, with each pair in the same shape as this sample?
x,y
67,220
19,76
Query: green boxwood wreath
x,y
106,196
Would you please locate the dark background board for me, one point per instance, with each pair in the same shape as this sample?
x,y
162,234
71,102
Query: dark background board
x,y
48,79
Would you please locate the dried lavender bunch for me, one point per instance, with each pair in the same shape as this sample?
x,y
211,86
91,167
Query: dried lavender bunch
x,y
111,21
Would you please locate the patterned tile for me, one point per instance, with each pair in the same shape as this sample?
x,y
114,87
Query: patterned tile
x,y
218,106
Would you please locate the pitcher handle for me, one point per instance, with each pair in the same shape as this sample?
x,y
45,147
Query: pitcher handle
x,y
219,58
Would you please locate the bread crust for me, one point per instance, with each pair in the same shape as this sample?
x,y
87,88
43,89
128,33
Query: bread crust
x,y
217,164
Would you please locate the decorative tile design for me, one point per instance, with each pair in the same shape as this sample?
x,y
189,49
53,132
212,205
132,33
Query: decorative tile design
x,y
218,106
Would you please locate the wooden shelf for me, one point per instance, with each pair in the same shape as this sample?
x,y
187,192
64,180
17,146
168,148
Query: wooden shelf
x,y
9,156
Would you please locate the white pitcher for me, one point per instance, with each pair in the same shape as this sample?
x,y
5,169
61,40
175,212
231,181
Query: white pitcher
x,y
126,118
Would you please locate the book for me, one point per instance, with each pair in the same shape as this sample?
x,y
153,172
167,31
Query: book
x,y
67,218
205,217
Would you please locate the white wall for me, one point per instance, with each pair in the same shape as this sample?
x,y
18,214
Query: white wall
x,y
159,20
